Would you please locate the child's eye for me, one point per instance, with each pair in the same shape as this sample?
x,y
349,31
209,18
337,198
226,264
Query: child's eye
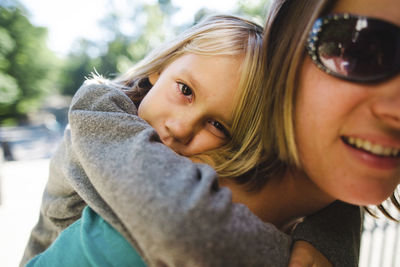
x,y
219,129
186,91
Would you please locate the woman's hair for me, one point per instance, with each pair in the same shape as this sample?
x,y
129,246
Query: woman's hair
x,y
217,35
287,27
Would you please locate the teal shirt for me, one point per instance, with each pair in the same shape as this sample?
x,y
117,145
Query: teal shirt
x,y
90,241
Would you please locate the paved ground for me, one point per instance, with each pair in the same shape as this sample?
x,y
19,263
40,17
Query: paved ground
x,y
22,183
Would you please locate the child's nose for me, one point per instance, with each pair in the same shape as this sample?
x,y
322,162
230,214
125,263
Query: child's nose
x,y
181,129
387,107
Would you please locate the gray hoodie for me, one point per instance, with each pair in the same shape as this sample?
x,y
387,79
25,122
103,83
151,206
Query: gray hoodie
x,y
171,210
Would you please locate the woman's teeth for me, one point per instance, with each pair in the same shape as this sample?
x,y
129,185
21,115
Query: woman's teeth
x,y
375,149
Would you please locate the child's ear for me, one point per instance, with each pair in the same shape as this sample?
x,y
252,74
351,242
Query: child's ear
x,y
154,77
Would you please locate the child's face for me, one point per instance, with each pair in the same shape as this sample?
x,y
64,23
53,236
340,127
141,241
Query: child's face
x,y
345,131
191,102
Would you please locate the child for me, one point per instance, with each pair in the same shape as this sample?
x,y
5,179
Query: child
x,y
202,94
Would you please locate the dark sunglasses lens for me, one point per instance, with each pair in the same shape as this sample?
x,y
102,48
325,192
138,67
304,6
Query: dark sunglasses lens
x,y
359,49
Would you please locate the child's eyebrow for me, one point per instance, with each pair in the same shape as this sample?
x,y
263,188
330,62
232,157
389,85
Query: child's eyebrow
x,y
191,79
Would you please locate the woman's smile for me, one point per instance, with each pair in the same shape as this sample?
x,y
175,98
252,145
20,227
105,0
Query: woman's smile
x,y
373,155
371,147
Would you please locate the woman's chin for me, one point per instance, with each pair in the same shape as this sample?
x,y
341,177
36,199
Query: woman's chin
x,y
368,199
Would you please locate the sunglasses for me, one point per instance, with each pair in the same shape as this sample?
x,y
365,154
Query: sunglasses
x,y
355,48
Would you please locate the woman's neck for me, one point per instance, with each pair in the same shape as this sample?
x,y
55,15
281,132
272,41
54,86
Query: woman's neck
x,y
282,200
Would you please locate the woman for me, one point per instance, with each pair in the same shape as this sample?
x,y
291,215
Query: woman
x,y
333,116
199,226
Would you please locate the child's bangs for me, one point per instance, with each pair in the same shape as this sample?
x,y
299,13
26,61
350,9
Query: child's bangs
x,y
218,42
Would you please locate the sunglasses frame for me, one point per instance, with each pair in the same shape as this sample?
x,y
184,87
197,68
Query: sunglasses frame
x,y
313,39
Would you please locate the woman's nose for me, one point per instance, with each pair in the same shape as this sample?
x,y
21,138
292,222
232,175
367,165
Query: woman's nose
x,y
181,129
386,106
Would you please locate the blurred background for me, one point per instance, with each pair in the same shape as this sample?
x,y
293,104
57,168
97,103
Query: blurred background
x,y
47,48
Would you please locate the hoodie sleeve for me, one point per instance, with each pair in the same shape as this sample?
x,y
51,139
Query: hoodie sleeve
x,y
171,210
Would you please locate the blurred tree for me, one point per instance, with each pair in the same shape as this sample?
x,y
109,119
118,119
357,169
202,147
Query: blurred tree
x,y
256,10
148,25
76,66
132,36
28,69
27,66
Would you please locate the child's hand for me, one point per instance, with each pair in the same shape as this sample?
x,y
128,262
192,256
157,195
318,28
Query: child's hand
x,y
305,255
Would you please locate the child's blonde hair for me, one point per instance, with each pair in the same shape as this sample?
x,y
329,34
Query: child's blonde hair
x,y
218,35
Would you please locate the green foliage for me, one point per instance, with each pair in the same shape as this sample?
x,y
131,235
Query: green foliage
x,y
152,26
254,9
29,70
26,65
123,51
76,67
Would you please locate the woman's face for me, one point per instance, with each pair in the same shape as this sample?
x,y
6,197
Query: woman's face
x,y
330,113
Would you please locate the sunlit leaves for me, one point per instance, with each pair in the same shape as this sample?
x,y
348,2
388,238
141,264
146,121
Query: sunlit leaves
x,y
9,90
25,63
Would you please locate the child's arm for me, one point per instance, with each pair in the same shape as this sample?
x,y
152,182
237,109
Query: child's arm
x,y
190,191
170,209
107,246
